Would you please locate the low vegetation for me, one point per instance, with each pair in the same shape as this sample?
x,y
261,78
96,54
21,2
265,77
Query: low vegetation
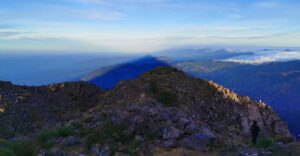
x,y
16,148
167,98
46,138
4,151
112,135
163,96
264,143
153,87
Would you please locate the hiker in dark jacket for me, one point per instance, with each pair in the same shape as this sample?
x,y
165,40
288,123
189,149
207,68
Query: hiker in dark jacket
x,y
255,132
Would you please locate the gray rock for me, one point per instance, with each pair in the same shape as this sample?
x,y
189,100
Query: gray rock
x,y
180,115
191,128
197,141
119,116
169,143
206,130
99,151
55,152
134,108
244,151
135,121
171,133
182,123
42,153
70,141
153,111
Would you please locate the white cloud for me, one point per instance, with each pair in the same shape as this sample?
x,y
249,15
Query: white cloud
x,y
267,56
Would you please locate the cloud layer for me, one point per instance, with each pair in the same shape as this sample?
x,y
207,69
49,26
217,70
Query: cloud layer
x,y
268,56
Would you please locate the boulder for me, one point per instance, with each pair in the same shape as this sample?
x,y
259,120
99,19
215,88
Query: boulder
x,y
191,128
171,133
197,141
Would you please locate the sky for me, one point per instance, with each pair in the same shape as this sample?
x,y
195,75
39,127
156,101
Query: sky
x,y
138,26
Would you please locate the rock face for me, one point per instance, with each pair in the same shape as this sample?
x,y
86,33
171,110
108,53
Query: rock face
x,y
219,107
163,108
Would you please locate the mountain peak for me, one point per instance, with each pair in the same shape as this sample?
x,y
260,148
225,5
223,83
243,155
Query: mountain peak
x,y
173,88
162,108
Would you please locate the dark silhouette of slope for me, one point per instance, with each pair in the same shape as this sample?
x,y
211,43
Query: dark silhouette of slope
x,y
108,77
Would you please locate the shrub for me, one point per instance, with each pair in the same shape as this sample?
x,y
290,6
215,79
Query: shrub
x,y
167,98
133,147
215,143
64,131
264,143
34,115
3,143
44,138
22,148
16,148
106,134
47,138
112,135
80,129
153,87
149,134
4,151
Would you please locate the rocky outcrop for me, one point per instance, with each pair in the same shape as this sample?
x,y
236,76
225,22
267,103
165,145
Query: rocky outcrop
x,y
221,108
161,109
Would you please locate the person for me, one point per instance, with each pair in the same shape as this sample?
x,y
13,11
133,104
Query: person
x,y
255,132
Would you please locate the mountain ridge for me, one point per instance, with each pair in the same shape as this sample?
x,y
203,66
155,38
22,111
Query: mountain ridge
x,y
161,109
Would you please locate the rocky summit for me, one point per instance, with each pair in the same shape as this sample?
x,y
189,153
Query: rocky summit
x,y
162,112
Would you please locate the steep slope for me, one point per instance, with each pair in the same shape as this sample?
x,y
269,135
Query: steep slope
x,y
108,77
213,103
277,83
161,109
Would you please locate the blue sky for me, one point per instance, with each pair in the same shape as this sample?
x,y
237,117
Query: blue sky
x,y
137,26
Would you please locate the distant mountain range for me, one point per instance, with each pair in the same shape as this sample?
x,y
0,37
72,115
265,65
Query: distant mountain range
x,y
276,84
108,77
197,54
